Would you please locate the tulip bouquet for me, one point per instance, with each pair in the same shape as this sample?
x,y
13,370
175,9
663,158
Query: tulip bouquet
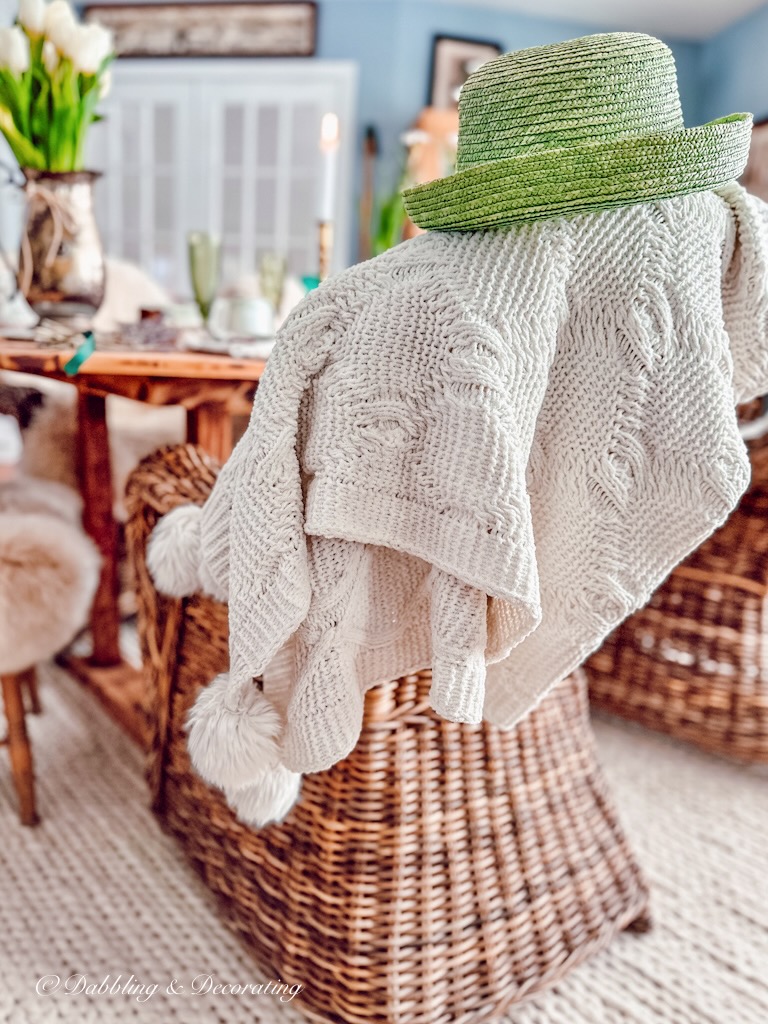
x,y
53,72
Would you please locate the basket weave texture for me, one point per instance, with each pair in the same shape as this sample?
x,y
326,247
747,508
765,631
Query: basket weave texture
x,y
440,873
694,662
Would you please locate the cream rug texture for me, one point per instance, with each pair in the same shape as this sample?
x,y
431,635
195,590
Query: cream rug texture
x,y
99,891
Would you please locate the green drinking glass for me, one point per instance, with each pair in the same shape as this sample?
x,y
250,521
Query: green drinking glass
x,y
272,270
204,269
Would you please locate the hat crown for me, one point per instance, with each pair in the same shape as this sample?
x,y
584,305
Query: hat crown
x,y
596,88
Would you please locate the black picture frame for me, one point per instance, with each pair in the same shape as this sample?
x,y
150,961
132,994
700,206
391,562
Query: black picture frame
x,y
453,59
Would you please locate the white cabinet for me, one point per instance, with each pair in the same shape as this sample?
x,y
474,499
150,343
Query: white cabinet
x,y
229,146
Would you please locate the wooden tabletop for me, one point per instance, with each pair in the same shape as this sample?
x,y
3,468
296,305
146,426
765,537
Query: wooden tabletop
x,y
30,357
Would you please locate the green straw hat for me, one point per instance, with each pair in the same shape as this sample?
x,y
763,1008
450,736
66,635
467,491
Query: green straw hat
x,y
583,125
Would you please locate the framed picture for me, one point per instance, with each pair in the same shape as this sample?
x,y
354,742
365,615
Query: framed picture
x,y
281,29
755,176
453,61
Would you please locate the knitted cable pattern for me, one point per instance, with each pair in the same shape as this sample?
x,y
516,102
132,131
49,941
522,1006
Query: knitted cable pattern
x,y
480,451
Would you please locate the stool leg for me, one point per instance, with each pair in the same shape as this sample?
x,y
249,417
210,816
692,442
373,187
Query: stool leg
x,y
19,748
29,680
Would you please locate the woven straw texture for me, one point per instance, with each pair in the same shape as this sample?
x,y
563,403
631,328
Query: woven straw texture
x,y
694,662
582,125
442,872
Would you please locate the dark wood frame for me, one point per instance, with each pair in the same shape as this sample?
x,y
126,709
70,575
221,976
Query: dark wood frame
x,y
435,57
103,13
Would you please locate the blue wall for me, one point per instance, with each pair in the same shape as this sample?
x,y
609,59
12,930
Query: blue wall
x,y
367,32
513,31
392,42
687,57
733,69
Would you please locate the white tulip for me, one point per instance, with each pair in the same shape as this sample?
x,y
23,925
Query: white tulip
x,y
50,56
19,62
32,15
105,85
87,46
70,41
14,50
60,24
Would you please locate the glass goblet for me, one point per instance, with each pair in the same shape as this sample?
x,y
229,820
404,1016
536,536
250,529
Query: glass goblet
x,y
204,270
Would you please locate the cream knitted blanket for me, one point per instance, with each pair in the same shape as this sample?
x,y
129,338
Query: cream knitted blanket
x,y
478,452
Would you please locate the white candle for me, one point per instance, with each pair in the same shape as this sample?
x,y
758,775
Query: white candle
x,y
329,147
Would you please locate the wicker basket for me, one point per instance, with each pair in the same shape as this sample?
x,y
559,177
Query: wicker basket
x,y
439,874
694,662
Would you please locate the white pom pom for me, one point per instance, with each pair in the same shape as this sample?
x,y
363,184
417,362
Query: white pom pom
x,y
269,799
232,734
173,552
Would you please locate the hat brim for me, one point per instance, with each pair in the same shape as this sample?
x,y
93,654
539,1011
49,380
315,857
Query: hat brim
x,y
584,178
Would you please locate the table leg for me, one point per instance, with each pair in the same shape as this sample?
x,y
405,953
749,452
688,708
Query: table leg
x,y
210,426
96,487
120,687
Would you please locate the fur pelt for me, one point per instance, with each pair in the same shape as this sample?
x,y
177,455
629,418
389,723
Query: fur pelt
x,y
50,440
48,575
20,402
10,446
41,497
48,421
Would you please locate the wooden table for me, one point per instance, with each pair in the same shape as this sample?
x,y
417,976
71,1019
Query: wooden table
x,y
212,389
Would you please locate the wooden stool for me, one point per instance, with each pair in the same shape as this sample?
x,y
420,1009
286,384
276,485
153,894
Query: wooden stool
x,y
48,575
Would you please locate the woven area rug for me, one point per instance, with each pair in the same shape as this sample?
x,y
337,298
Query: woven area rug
x,y
99,892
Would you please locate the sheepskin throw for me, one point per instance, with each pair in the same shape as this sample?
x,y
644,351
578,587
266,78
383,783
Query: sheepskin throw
x,y
477,452
48,575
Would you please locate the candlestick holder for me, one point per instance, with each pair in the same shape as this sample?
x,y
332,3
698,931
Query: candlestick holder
x,y
325,247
